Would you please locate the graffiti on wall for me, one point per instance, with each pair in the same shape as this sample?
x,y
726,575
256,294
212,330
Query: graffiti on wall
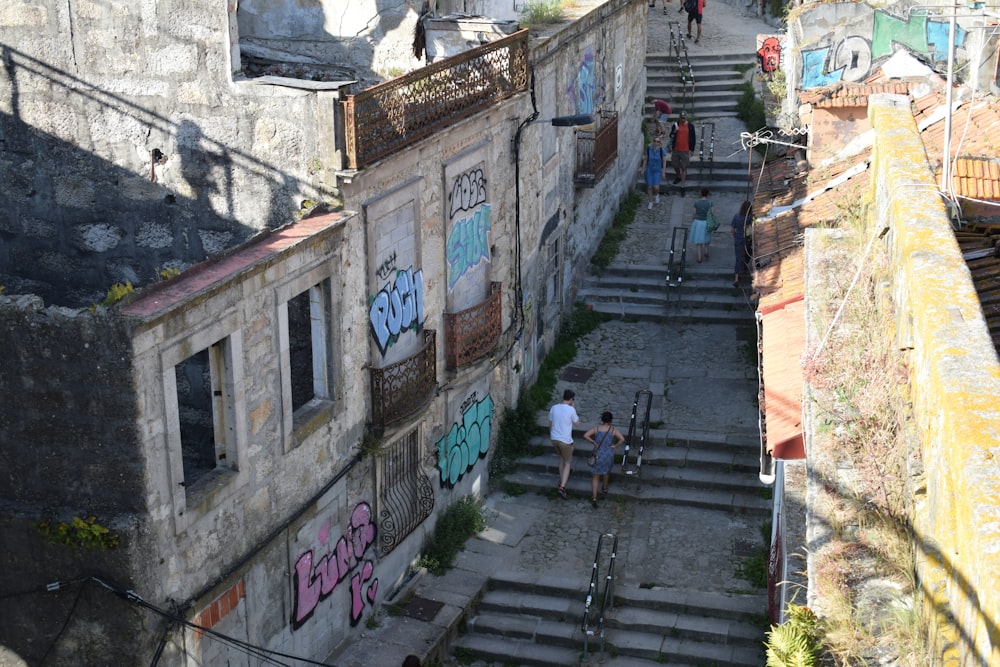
x,y
468,241
319,572
769,54
854,56
586,90
398,307
466,442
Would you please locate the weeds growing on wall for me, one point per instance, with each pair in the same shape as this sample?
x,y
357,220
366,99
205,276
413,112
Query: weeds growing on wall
x,y
79,532
457,524
542,12
862,458
608,248
796,642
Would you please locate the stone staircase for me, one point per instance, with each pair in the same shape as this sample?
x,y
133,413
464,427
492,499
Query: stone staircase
x,y
530,620
714,84
641,292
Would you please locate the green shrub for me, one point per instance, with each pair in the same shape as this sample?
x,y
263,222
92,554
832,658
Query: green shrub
x,y
457,524
749,109
79,532
796,642
608,248
542,12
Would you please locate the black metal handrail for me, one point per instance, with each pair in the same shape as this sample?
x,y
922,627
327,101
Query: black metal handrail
x,y
607,596
642,423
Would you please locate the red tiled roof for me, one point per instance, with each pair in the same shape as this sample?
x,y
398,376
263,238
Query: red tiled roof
x,y
850,94
783,327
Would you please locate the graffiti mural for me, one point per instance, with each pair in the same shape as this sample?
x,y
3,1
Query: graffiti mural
x,y
872,38
468,241
468,244
398,307
769,54
318,572
586,90
466,442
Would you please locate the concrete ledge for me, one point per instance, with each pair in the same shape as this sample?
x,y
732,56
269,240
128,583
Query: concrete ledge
x,y
955,382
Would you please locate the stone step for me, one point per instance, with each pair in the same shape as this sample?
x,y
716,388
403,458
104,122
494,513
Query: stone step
x,y
717,60
672,312
681,295
745,503
494,650
659,437
692,602
732,470
710,282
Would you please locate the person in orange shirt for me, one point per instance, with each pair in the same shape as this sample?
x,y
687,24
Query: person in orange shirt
x,y
682,142
694,9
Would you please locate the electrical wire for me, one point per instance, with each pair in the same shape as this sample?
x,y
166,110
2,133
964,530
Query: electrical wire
x,y
69,616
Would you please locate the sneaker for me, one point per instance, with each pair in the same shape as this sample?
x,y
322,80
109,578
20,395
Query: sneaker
x,y
657,199
677,180
593,503
562,493
683,191
650,206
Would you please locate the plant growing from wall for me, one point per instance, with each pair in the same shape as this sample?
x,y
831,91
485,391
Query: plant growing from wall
x,y
542,12
79,532
168,272
117,292
457,524
608,248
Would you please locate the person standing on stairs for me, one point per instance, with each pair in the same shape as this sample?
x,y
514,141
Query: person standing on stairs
x,y
694,9
654,162
605,439
562,416
700,236
739,224
682,142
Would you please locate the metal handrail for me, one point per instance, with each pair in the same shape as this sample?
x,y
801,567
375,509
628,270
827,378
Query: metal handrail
x,y
643,434
711,150
607,597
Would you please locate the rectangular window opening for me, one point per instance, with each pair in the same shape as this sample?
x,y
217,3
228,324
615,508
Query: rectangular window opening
x,y
308,346
205,405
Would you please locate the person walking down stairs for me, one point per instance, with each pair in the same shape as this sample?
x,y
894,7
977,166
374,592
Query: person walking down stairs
x,y
654,162
682,142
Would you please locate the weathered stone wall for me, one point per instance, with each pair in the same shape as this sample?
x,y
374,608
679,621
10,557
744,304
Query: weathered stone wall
x,y
128,147
67,449
955,381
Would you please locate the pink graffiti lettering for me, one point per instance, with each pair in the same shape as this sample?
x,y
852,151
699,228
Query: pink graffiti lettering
x,y
316,578
357,602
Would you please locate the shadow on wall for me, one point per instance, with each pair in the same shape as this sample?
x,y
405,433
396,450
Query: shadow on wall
x,y
75,223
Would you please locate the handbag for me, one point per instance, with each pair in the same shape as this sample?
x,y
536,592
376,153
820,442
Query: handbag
x,y
593,457
712,222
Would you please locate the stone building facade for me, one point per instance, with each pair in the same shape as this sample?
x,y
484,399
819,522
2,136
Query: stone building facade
x,y
268,436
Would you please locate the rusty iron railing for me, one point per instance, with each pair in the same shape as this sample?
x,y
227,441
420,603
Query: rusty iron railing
x,y
403,388
596,150
472,333
392,115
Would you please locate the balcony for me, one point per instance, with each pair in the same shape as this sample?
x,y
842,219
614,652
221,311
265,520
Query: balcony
x,y
381,120
472,333
596,150
403,388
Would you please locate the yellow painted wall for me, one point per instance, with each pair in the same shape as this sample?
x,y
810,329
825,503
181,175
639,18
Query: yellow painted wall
x,y
955,388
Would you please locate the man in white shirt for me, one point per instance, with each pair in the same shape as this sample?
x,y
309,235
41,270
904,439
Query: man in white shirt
x,y
562,416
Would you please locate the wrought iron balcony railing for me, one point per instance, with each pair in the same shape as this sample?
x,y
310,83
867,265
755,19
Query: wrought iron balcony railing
x,y
403,388
596,150
392,115
472,333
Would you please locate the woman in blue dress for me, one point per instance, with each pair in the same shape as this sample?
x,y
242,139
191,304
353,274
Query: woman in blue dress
x,y
700,236
653,161
605,438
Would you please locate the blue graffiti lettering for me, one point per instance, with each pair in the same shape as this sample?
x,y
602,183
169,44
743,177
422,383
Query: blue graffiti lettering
x,y
465,443
813,69
468,244
397,309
